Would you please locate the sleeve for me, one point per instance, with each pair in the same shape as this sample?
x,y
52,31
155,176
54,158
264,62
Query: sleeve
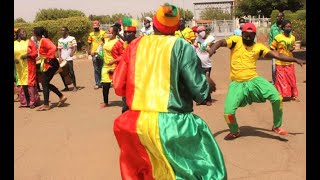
x,y
191,35
274,43
118,51
50,47
32,49
231,40
73,42
192,75
120,73
90,39
264,49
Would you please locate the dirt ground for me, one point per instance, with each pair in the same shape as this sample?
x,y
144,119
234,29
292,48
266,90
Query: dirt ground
x,y
76,142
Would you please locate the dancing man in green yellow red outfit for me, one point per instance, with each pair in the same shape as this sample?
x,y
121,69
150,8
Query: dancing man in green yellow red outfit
x,y
159,136
246,86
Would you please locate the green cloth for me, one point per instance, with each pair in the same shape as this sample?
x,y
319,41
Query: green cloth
x,y
274,30
255,90
190,147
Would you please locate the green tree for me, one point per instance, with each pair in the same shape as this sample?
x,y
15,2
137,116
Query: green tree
x,y
265,7
19,20
215,13
117,16
54,14
187,14
145,14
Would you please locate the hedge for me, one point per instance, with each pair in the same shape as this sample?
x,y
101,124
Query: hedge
x,y
79,27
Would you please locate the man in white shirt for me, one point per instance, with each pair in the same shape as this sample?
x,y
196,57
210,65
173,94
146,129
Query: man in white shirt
x,y
67,46
202,44
147,29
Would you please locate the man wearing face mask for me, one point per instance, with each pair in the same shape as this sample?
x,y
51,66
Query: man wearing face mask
x,y
95,39
130,30
238,31
147,29
246,86
185,32
275,29
202,44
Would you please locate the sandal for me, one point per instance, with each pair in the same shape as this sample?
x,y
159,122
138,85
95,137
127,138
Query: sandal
x,y
232,136
62,100
295,99
279,130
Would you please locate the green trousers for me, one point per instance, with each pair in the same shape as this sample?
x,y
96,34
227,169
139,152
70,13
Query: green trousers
x,y
256,90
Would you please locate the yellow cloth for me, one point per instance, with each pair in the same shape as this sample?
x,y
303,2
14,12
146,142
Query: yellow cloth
x,y
20,48
95,39
283,45
243,59
107,58
186,34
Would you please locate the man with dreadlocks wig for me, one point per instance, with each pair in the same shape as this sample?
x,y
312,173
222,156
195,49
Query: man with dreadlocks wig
x,y
159,136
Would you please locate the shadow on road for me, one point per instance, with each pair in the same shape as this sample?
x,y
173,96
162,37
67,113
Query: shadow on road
x,y
254,131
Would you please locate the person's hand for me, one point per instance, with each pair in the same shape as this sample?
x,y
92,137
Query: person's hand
x,y
300,62
212,84
25,56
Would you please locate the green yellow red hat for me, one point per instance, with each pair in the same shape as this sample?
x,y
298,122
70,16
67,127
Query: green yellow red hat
x,y
166,19
129,24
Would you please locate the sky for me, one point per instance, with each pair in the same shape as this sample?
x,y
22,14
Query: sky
x,y
27,9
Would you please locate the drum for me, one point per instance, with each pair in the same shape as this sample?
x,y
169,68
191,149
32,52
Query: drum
x,y
38,72
65,73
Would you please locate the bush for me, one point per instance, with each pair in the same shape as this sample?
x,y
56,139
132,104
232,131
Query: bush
x,y
79,27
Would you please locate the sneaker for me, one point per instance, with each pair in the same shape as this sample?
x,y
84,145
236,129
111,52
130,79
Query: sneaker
x,y
232,136
279,130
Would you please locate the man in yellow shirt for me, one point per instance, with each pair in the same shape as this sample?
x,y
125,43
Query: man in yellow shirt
x,y
95,39
246,86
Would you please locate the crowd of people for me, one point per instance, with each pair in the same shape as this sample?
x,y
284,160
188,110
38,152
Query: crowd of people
x,y
155,107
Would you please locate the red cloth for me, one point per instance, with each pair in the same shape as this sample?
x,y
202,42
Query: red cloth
x,y
286,81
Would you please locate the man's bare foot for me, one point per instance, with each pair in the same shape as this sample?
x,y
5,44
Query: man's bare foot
x,y
103,105
63,99
44,108
295,99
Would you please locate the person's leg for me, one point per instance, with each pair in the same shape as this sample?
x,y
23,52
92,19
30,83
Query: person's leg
x,y
281,83
266,91
291,75
105,93
72,74
64,83
235,98
26,94
97,72
100,64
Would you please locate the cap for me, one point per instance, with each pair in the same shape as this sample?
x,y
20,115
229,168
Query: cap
x,y
201,28
148,18
166,19
96,24
242,20
194,28
249,26
129,24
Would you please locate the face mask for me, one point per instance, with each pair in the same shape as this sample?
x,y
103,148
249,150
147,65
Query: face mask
x,y
202,34
129,37
247,42
287,31
22,37
147,25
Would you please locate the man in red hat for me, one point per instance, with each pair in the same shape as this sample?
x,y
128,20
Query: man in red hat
x,y
246,86
95,39
159,137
